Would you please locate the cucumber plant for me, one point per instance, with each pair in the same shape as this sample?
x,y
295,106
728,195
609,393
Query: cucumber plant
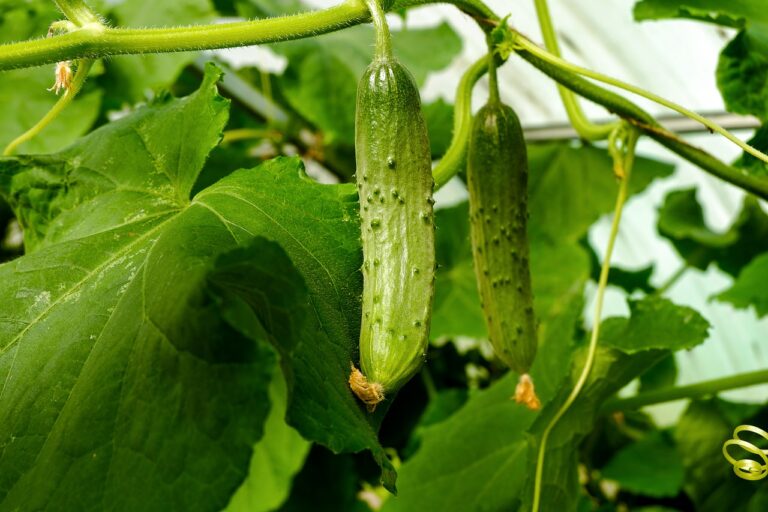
x,y
228,289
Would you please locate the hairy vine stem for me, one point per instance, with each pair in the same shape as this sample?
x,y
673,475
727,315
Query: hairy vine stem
x,y
94,40
383,36
79,15
624,160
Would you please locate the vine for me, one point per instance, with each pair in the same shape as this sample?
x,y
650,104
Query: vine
x,y
453,160
93,40
581,124
698,390
527,45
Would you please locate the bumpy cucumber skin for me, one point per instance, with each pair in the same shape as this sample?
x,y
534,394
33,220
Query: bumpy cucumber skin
x,y
395,186
497,175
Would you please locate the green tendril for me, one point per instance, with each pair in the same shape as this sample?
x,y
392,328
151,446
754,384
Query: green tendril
x,y
623,143
81,74
747,468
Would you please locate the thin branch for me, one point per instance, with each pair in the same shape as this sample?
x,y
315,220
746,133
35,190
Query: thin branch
x,y
701,389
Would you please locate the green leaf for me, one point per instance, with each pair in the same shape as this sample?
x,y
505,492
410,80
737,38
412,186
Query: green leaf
x,y
750,288
423,50
335,63
25,94
440,407
655,323
327,483
21,21
731,13
439,117
481,457
122,173
131,78
581,183
660,376
681,220
147,393
753,164
26,99
457,311
267,8
651,466
313,334
611,372
629,280
276,459
559,272
743,65
476,459
742,72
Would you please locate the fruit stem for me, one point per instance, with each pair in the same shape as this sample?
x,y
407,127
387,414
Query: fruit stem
x,y
383,37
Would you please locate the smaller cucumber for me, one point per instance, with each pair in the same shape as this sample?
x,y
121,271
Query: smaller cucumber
x,y
497,176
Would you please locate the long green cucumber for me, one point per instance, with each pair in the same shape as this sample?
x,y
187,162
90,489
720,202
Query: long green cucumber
x,y
497,175
394,182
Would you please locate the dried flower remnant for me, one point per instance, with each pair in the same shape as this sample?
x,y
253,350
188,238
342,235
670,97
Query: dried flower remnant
x,y
64,76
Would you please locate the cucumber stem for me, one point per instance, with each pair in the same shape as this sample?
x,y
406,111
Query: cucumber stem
x,y
644,122
77,11
493,76
383,37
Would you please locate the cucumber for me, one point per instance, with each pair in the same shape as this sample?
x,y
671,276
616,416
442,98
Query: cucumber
x,y
497,179
395,185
